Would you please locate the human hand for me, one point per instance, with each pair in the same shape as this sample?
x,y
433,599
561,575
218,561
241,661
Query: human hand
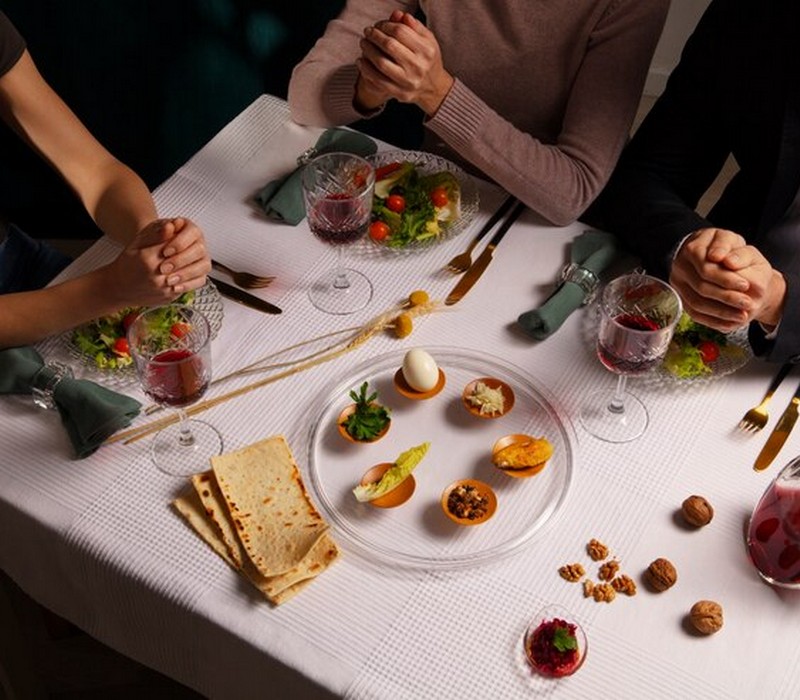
x,y
401,59
725,283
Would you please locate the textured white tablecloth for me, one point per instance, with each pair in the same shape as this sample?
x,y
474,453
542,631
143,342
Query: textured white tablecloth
x,y
97,542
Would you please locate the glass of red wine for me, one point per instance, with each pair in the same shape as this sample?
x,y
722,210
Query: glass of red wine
x,y
337,192
171,349
773,535
638,315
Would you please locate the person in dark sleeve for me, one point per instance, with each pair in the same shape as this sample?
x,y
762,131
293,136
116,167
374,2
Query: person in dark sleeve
x,y
735,92
161,258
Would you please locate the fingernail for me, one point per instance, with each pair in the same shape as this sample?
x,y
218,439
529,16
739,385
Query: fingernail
x,y
171,281
733,258
169,252
166,268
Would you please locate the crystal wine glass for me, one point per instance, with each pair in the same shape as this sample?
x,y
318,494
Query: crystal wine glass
x,y
337,191
171,349
638,315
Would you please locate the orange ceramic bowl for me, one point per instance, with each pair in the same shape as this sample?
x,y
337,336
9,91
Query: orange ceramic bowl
x,y
345,414
404,389
492,383
482,489
398,495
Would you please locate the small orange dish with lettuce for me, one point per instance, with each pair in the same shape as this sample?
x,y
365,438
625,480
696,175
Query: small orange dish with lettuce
x,y
697,351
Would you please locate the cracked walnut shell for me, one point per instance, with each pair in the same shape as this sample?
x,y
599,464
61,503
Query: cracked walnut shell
x,y
661,574
697,511
706,616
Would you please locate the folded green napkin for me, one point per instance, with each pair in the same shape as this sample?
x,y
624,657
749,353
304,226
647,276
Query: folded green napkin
x,y
591,253
90,413
282,199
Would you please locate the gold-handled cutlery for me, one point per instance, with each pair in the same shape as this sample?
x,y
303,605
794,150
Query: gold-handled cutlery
x,y
461,262
477,268
756,418
245,280
779,434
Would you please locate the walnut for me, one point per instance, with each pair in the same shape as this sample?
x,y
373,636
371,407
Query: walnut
x,y
706,616
697,511
588,588
624,584
608,570
597,550
603,593
571,572
661,574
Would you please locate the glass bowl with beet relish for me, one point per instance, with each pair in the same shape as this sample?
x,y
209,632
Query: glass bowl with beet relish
x,y
555,644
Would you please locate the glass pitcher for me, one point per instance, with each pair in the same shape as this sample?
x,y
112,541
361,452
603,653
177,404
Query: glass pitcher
x,y
773,536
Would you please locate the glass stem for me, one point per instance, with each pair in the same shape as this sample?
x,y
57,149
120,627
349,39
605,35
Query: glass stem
x,y
340,281
617,404
185,435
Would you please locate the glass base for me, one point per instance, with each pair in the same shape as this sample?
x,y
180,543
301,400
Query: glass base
x,y
600,418
341,292
173,457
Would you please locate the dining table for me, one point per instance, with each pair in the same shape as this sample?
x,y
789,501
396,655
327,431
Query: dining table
x,y
415,606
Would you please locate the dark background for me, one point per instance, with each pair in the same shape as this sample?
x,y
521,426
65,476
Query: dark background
x,y
154,80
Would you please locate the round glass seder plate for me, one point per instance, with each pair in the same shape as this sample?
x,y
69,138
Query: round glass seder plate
x,y
733,356
418,534
207,299
429,163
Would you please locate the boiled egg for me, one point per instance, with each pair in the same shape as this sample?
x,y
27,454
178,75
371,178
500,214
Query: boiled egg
x,y
420,370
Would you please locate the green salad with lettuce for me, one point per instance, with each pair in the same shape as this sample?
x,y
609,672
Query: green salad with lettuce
x,y
410,206
696,348
104,339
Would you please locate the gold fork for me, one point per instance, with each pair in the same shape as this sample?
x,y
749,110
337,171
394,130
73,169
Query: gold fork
x,y
461,262
246,280
756,418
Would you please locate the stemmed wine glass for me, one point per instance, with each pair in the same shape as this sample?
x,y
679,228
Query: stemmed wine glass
x,y
638,315
337,192
171,349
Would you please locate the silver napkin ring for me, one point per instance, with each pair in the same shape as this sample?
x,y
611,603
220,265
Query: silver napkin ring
x,y
307,156
45,381
584,278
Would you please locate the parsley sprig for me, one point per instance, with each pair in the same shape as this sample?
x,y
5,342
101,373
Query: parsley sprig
x,y
369,418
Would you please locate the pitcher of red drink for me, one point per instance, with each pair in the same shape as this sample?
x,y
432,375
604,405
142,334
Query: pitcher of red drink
x,y
773,536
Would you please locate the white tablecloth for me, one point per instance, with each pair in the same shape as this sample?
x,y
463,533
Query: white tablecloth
x,y
96,540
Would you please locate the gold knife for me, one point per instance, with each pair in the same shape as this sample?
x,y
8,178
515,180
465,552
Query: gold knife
x,y
476,269
242,297
779,434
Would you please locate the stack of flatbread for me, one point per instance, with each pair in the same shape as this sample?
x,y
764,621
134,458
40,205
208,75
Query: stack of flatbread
x,y
252,508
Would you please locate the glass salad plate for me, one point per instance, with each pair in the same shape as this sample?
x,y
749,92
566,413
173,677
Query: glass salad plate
x,y
428,164
418,534
207,299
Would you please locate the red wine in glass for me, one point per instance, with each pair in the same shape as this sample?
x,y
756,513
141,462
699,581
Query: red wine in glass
x,y
621,352
176,378
336,219
773,537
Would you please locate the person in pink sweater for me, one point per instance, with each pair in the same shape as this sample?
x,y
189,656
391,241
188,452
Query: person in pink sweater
x,y
537,96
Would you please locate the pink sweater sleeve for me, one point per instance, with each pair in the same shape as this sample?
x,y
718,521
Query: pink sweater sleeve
x,y
560,180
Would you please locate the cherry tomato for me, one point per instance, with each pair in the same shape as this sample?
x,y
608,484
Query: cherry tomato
x,y
121,347
709,351
396,203
127,322
439,197
378,230
385,170
179,329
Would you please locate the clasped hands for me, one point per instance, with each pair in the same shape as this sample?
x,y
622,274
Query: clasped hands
x,y
725,283
401,60
165,259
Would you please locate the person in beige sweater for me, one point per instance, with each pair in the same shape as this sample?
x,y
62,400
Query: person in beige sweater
x,y
538,96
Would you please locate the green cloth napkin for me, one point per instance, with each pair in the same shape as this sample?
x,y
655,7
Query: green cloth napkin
x,y
592,250
90,413
282,199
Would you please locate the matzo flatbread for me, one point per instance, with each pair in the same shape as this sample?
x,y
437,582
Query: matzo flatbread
x,y
274,518
191,508
208,490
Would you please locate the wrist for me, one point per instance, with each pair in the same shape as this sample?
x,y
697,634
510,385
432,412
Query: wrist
x,y
773,309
